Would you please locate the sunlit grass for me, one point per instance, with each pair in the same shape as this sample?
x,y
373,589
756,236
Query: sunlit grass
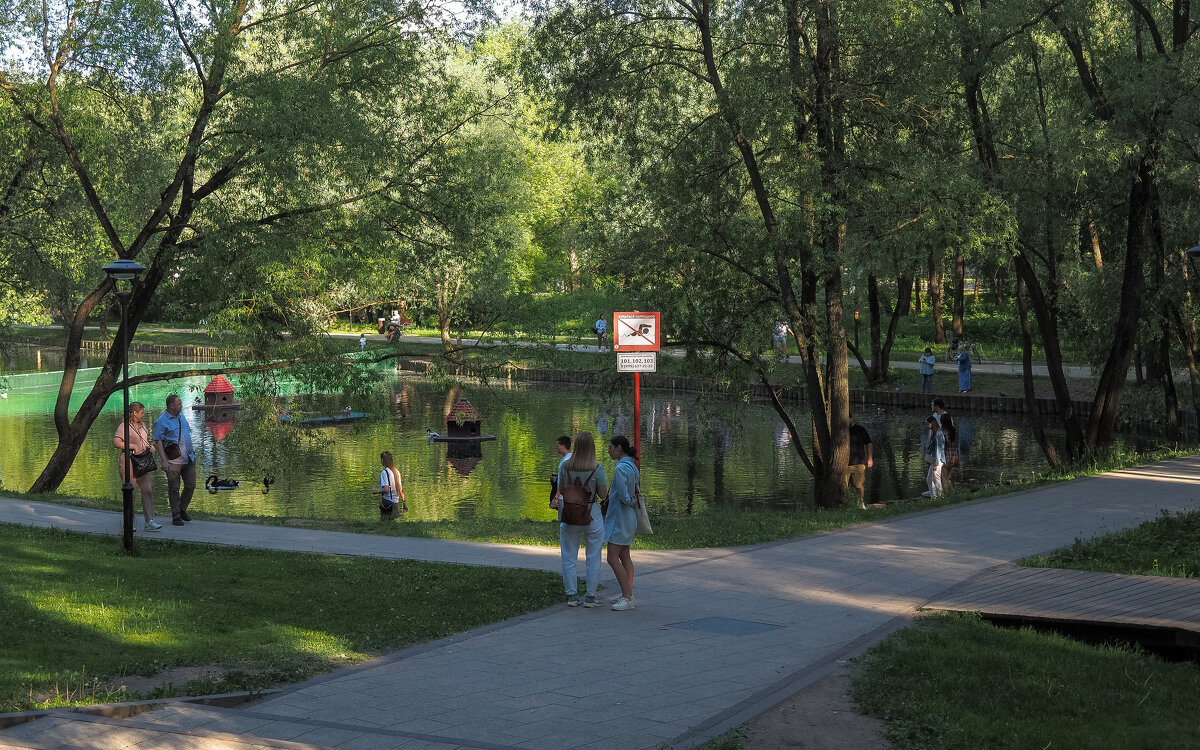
x,y
954,681
77,616
1166,546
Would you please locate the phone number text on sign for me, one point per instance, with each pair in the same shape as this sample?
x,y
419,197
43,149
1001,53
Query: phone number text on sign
x,y
637,361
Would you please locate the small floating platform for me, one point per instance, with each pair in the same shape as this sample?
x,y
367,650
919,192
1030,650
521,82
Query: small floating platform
x,y
460,439
324,420
214,407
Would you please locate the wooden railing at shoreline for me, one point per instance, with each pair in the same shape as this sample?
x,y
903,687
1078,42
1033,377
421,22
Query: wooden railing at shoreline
x,y
968,402
92,346
961,402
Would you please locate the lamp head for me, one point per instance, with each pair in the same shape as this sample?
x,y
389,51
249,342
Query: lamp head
x,y
124,270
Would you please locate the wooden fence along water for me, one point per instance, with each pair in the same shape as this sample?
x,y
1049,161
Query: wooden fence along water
x,y
89,346
960,402
956,402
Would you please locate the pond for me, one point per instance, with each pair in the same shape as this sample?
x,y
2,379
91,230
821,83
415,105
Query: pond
x,y
698,453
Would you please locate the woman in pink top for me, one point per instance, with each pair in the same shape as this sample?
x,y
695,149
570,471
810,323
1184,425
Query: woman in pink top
x,y
139,442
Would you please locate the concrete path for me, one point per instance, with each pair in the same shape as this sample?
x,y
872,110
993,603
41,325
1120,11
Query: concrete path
x,y
718,636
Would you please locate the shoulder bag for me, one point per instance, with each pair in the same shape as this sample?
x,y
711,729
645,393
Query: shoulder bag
x,y
643,517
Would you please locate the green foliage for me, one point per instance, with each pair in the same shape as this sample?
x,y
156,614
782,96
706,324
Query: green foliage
x,y
79,616
1166,546
953,681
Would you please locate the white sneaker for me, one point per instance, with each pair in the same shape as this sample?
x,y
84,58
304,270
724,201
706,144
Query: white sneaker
x,y
152,525
926,493
623,604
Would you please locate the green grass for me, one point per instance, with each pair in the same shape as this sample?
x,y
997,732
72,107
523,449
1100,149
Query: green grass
x,y
1167,546
953,681
77,615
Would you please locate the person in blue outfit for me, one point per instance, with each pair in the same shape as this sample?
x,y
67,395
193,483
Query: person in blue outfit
x,y
581,465
926,362
173,441
964,370
620,522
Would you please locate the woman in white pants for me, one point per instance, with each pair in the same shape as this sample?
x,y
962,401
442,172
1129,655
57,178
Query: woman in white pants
x,y
582,469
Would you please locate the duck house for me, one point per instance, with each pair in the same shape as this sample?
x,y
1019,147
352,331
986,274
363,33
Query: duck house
x,y
463,423
218,394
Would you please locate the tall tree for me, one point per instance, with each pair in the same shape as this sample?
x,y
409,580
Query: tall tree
x,y
193,132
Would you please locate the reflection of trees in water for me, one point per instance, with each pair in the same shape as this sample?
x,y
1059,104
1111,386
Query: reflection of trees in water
x,y
721,436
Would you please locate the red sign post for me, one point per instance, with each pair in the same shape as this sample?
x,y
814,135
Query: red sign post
x,y
636,332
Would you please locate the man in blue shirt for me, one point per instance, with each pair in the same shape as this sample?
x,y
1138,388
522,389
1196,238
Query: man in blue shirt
x,y
600,328
173,439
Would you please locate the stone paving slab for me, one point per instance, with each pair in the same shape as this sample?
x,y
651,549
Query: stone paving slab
x,y
578,678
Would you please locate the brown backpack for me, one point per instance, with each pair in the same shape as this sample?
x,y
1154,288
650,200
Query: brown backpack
x,y
577,502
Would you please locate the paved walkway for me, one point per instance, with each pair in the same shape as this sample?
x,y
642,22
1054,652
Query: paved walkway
x,y
718,636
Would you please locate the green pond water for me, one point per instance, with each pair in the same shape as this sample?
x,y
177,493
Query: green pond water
x,y
698,453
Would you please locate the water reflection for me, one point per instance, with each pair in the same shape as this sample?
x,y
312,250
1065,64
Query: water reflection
x,y
698,453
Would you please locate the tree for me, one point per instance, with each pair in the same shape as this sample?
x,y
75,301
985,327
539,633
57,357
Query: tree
x,y
191,134
747,106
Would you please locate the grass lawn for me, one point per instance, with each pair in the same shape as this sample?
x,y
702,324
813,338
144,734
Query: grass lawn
x,y
954,681
77,616
1167,546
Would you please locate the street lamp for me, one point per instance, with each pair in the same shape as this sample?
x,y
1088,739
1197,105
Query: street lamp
x,y
125,270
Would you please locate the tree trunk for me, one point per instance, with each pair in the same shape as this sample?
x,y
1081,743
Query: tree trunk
x,y
935,300
960,274
1102,425
1035,417
878,369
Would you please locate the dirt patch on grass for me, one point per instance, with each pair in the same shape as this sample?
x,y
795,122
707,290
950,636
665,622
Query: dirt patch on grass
x,y
817,718
177,676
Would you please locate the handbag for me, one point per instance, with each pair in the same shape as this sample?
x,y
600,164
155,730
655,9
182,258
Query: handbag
x,y
577,502
171,451
143,463
643,517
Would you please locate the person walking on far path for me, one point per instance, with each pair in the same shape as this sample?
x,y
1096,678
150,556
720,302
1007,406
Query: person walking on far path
x,y
139,443
362,342
862,457
964,370
620,523
600,328
173,437
926,361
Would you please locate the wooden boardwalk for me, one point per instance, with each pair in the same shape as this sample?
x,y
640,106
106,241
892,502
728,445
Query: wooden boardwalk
x,y
1165,609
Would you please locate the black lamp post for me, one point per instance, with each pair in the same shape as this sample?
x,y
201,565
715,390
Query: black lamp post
x,y
125,270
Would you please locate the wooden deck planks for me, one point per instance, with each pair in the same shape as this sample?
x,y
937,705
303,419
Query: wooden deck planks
x,y
1078,596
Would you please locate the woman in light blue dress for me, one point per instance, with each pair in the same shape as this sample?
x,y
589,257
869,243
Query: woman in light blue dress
x,y
620,522
964,371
